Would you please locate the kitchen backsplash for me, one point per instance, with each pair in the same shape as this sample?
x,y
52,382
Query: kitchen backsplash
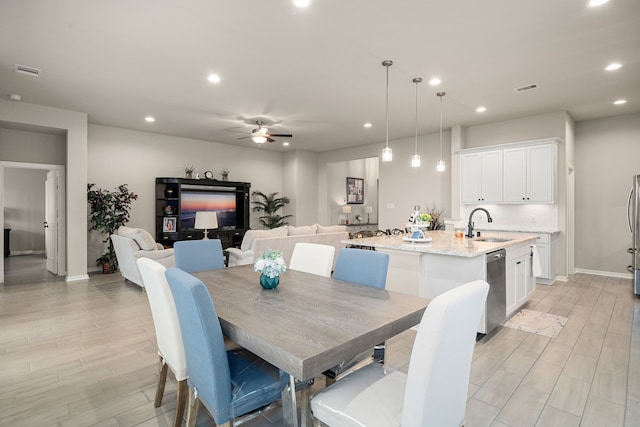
x,y
543,215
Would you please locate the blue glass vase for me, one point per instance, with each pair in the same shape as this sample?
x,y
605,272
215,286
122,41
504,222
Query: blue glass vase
x,y
269,282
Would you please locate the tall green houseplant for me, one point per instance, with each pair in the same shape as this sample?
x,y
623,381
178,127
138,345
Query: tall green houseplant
x,y
108,211
270,204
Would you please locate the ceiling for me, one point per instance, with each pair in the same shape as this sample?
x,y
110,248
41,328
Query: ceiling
x,y
317,72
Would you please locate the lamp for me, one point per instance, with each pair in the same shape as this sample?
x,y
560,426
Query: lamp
x,y
387,154
346,209
369,211
259,139
206,220
441,166
415,159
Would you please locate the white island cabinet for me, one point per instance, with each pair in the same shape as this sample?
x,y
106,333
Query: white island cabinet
x,y
429,269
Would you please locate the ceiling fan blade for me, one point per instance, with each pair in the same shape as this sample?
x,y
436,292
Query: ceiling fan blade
x,y
281,135
270,139
244,137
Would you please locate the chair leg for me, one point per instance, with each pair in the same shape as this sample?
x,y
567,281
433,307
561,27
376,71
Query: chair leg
x,y
161,382
181,403
192,409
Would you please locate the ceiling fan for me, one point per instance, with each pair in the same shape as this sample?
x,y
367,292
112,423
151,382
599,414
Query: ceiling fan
x,y
262,135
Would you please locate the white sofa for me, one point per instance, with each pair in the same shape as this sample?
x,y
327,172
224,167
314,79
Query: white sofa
x,y
284,239
132,243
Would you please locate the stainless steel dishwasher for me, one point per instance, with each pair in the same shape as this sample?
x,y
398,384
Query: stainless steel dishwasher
x,y
496,311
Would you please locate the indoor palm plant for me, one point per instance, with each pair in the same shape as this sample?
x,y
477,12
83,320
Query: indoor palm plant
x,y
270,204
108,210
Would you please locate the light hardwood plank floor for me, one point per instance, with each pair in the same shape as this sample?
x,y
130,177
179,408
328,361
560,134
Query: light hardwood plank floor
x,y
84,354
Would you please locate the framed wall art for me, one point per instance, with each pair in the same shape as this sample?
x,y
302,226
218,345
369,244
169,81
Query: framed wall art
x,y
169,225
355,191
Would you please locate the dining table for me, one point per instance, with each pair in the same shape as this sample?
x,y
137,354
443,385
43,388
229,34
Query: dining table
x,y
308,324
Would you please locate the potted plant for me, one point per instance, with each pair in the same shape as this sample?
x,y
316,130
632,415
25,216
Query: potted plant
x,y
270,204
225,174
108,210
188,170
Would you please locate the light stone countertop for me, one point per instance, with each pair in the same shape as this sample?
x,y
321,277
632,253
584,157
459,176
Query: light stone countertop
x,y
445,243
532,228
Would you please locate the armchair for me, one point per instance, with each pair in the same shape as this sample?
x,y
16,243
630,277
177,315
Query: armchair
x,y
130,244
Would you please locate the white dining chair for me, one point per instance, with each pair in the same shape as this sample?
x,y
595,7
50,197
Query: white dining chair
x,y
168,334
434,391
312,258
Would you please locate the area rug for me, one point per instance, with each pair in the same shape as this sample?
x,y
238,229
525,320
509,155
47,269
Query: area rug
x,y
548,325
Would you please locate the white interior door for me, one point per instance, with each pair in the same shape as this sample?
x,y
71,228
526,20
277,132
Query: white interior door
x,y
51,221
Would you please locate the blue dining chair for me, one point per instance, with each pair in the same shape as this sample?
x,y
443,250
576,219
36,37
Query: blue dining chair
x,y
198,255
228,383
368,268
363,267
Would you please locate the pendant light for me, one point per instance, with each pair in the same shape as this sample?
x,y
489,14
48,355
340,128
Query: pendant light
x,y
441,165
387,154
415,159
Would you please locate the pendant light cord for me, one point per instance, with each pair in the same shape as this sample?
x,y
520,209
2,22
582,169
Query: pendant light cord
x,y
387,104
416,81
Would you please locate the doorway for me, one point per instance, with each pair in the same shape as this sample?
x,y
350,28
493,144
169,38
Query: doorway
x,y
32,202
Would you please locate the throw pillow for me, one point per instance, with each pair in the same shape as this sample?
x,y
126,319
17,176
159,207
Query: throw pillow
x,y
251,235
299,231
331,229
142,237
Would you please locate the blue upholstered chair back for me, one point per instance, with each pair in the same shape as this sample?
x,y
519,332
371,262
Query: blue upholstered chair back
x,y
361,266
207,362
198,255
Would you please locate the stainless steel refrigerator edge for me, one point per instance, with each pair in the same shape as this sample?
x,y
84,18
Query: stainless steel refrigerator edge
x,y
633,219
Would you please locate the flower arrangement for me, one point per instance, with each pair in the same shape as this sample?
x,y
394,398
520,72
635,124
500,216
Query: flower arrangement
x,y
270,263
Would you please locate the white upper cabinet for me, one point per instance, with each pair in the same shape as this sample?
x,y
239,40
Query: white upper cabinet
x,y
481,177
515,173
529,174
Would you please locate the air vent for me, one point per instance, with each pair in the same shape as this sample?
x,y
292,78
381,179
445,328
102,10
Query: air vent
x,y
526,88
30,71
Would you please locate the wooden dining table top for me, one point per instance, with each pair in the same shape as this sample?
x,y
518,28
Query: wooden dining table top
x,y
309,323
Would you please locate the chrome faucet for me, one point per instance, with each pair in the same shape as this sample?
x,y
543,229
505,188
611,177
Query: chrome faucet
x,y
470,225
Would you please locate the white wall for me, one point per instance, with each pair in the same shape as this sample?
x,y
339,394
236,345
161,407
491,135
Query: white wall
x,y
75,126
337,174
32,146
300,184
607,156
24,209
120,156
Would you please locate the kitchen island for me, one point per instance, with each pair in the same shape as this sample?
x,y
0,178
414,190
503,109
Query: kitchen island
x,y
427,269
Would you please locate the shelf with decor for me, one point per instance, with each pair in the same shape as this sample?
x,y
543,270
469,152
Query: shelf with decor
x,y
178,199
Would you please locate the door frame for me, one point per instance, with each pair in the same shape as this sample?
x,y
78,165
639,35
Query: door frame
x,y
60,196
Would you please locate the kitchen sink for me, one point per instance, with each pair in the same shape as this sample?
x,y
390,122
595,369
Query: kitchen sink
x,y
491,239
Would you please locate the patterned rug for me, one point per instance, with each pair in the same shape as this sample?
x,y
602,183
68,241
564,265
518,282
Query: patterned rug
x,y
536,322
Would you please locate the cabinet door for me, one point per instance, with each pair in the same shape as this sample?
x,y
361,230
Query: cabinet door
x,y
470,186
543,252
511,286
491,176
515,174
541,171
529,280
520,280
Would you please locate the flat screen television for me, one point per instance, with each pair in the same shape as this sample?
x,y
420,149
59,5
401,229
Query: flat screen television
x,y
222,202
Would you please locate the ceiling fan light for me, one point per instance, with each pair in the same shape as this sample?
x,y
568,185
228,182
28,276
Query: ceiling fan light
x,y
387,154
259,139
415,161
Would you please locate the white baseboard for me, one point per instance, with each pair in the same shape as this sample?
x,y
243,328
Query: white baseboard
x,y
27,252
77,278
605,273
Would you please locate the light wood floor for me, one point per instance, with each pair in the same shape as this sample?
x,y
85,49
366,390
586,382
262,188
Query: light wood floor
x,y
84,354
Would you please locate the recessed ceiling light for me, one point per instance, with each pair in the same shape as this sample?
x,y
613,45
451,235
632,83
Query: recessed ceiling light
x,y
15,97
620,102
301,3
286,143
214,78
596,3
150,119
435,81
613,66
481,109
368,125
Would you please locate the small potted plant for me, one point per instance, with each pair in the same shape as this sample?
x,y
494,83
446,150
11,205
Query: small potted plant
x,y
270,265
225,174
188,170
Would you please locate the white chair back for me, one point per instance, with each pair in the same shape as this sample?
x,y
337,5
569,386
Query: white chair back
x,y
312,258
165,316
440,365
